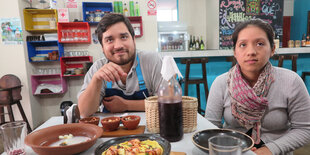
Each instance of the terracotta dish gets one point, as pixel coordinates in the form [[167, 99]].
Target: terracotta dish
[[90, 120], [131, 122], [110, 123], [41, 140]]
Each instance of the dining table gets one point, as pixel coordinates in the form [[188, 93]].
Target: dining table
[[185, 145]]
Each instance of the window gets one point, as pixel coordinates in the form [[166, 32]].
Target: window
[[167, 10]]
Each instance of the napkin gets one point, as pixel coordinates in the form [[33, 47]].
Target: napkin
[[169, 68], [71, 114]]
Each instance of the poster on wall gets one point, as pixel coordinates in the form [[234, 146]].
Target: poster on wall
[[232, 12], [11, 31]]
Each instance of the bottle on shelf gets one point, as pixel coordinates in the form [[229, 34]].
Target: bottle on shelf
[[303, 40], [190, 43], [120, 7], [131, 8], [202, 45], [52, 23], [194, 43], [137, 9], [197, 46], [308, 40], [277, 42], [115, 7], [125, 9]]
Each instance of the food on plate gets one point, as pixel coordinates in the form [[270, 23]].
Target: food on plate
[[69, 139], [135, 147]]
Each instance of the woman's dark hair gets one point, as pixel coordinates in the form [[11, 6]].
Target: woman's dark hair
[[109, 19], [255, 22]]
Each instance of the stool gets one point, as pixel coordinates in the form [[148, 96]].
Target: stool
[[197, 81], [10, 94], [281, 58]]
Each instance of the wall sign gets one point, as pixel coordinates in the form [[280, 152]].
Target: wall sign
[[233, 12], [63, 15], [71, 3], [11, 31], [152, 8]]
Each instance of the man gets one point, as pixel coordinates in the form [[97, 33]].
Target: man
[[122, 79]]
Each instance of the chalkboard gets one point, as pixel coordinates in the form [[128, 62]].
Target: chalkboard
[[232, 12]]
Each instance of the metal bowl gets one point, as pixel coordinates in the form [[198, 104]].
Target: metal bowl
[[200, 138]]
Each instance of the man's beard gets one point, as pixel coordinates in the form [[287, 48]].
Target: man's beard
[[123, 61]]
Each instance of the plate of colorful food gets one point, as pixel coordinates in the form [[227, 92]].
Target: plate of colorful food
[[144, 143]]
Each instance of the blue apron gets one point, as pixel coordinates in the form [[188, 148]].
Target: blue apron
[[138, 95]]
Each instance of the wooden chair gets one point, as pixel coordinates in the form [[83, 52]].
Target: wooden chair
[[10, 94], [304, 74], [231, 59], [281, 58], [196, 81]]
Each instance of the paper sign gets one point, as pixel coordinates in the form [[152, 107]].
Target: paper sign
[[71, 4], [152, 8], [63, 15]]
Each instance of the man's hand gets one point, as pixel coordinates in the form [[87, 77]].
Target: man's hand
[[261, 151], [115, 104], [110, 72]]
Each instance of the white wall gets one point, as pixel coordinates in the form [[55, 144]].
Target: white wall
[[12, 61]]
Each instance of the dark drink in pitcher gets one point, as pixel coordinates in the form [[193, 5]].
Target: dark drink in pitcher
[[171, 121]]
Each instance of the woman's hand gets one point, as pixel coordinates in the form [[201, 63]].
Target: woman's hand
[[261, 151]]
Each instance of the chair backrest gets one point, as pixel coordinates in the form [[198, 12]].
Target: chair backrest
[[10, 81], [231, 59], [292, 57]]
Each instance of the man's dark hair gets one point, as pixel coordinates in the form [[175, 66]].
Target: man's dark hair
[[255, 22], [109, 19]]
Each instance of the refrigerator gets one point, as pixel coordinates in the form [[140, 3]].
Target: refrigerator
[[172, 37]]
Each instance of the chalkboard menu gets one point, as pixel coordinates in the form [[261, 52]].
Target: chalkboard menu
[[233, 12]]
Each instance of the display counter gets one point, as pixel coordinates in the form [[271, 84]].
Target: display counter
[[221, 53]]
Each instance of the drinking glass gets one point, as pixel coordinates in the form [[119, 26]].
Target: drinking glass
[[13, 135], [224, 145], [63, 35]]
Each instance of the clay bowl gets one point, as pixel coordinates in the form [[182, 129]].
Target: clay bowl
[[131, 122], [41, 140], [90, 120], [110, 123]]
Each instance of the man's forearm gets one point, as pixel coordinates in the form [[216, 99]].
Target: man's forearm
[[89, 100]]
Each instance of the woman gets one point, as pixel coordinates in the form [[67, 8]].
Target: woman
[[270, 104]]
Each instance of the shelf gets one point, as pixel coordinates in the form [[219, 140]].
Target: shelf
[[74, 32], [93, 6], [55, 79], [69, 65], [38, 20], [39, 48], [136, 22]]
